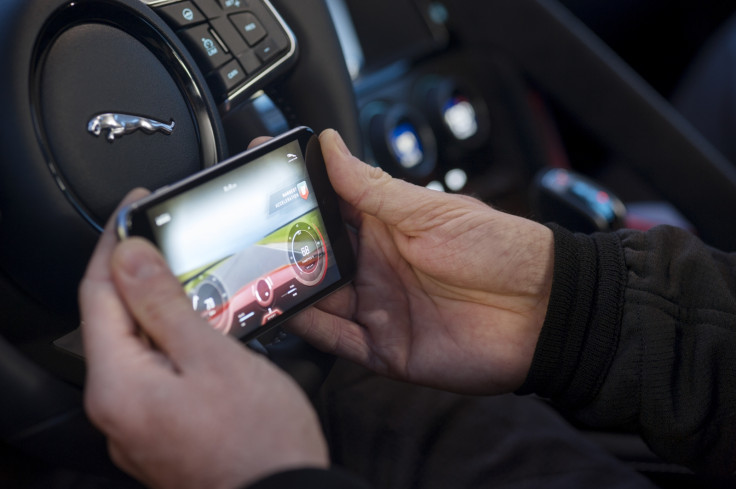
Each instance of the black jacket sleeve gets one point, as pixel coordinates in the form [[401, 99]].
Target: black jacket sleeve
[[641, 334], [310, 479]]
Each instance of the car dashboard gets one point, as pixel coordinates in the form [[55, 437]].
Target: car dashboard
[[430, 113]]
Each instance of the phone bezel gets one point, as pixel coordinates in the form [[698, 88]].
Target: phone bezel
[[133, 221]]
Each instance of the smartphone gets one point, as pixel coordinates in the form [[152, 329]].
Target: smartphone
[[254, 239]]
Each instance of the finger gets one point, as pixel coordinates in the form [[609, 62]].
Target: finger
[[156, 300], [105, 320], [339, 303], [258, 141], [332, 334], [370, 189]]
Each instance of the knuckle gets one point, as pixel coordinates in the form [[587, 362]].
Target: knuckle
[[372, 195], [377, 174]]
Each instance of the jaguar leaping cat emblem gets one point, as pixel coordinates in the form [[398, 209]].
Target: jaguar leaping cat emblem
[[118, 125]]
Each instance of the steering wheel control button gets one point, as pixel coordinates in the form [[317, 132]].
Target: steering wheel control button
[[250, 62], [206, 47], [210, 8], [217, 32], [228, 77], [182, 14], [233, 5], [231, 37], [267, 50], [249, 27]]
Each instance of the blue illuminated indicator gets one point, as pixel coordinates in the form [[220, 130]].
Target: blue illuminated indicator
[[406, 145]]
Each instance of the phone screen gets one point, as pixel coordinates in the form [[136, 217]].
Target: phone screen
[[252, 245]]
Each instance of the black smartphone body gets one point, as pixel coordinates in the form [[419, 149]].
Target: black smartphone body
[[254, 239]]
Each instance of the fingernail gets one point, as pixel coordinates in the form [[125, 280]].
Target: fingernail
[[341, 146]]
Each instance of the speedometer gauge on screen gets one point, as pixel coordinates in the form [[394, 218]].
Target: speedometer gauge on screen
[[254, 239]]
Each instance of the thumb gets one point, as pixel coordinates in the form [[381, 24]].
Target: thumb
[[157, 301], [369, 189]]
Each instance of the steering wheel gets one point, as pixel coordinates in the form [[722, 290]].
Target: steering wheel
[[101, 96]]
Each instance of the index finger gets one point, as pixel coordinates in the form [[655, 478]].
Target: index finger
[[259, 141]]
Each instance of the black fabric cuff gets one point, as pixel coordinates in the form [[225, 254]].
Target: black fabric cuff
[[310, 479], [580, 333]]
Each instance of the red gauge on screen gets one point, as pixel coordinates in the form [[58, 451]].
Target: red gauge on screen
[[307, 253]]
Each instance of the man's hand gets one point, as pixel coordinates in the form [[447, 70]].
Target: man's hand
[[182, 406], [449, 292]]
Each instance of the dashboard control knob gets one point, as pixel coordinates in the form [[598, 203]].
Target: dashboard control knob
[[402, 141], [456, 111]]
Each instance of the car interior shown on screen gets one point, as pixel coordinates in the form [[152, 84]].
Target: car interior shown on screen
[[598, 116]]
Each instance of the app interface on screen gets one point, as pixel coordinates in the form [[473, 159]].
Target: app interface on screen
[[248, 245]]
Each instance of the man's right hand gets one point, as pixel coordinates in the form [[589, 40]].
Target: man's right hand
[[449, 293]]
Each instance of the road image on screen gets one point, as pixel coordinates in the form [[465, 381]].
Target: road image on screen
[[248, 245]]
